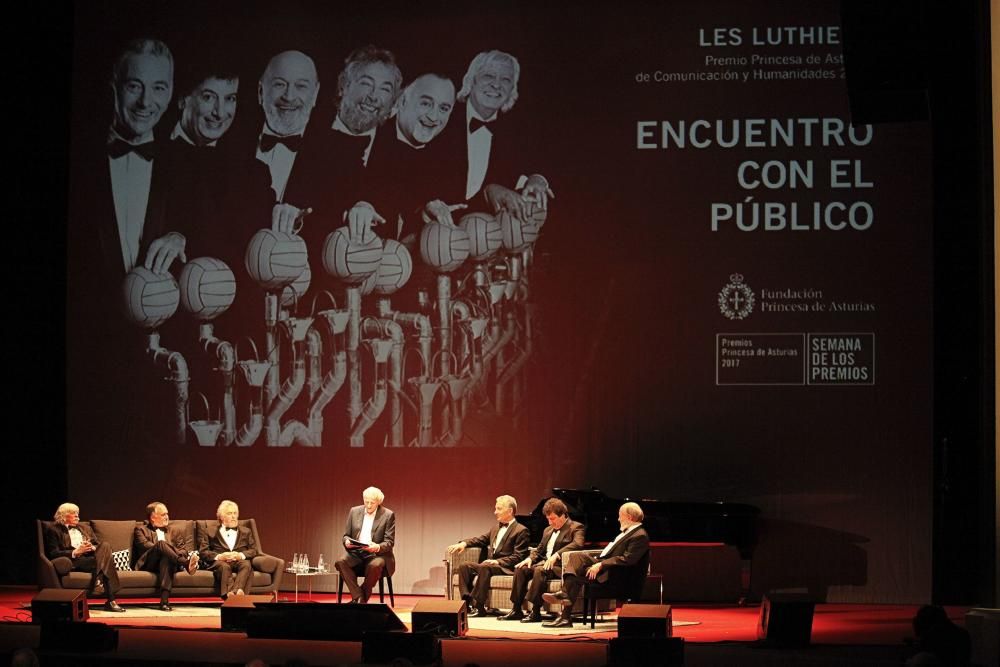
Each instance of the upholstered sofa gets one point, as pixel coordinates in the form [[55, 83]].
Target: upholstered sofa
[[57, 573]]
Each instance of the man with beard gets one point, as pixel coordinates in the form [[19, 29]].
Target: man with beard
[[163, 550], [229, 549], [486, 146], [287, 93], [67, 538], [367, 89]]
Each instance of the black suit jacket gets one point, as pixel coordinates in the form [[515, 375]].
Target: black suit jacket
[[511, 551], [211, 542], [627, 552], [401, 179], [571, 538], [58, 544], [327, 176], [144, 540], [508, 158], [383, 533]]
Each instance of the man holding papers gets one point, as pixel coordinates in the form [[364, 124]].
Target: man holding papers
[[368, 539]]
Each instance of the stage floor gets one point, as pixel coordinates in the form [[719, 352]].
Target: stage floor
[[713, 634]]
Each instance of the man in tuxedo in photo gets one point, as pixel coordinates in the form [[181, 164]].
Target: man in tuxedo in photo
[[287, 92], [163, 550], [493, 155], [544, 562], [68, 538], [403, 182], [506, 545], [334, 165], [614, 567], [228, 549], [142, 84], [374, 526]]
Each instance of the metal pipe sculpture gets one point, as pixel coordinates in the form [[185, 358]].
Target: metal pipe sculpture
[[174, 363], [224, 353]]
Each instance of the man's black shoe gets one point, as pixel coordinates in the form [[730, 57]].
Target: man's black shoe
[[512, 615], [476, 611], [532, 618], [561, 622], [111, 605], [165, 606]]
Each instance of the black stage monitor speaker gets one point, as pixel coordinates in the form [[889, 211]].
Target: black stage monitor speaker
[[59, 605], [316, 620], [786, 619], [448, 618], [420, 648], [78, 637], [641, 651], [645, 620], [236, 608]]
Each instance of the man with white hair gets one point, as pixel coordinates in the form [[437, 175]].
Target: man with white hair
[[613, 567], [486, 147], [228, 549], [506, 544], [68, 538], [368, 539]]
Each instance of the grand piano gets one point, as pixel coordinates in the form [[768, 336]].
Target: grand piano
[[668, 523]]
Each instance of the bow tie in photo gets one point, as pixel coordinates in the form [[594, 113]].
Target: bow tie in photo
[[269, 141], [475, 124], [118, 147]]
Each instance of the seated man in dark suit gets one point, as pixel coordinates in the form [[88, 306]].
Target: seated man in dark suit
[[375, 526], [163, 550], [611, 567], [544, 563], [68, 538], [228, 550], [506, 544]]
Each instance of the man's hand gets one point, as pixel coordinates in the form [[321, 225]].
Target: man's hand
[[456, 548], [163, 251], [550, 562], [438, 211], [524, 563], [229, 556], [537, 189], [85, 548], [491, 561], [372, 548], [593, 570], [505, 199], [360, 220], [287, 218]]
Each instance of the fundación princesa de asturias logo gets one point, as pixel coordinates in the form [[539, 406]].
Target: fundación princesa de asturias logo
[[736, 299]]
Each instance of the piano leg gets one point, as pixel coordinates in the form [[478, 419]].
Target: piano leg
[[746, 565]]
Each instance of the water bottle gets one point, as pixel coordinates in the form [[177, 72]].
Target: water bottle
[[305, 562], [320, 564], [295, 563]]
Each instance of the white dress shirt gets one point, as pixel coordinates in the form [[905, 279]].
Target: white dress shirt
[[478, 145], [620, 535], [279, 161], [366, 528], [131, 176]]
